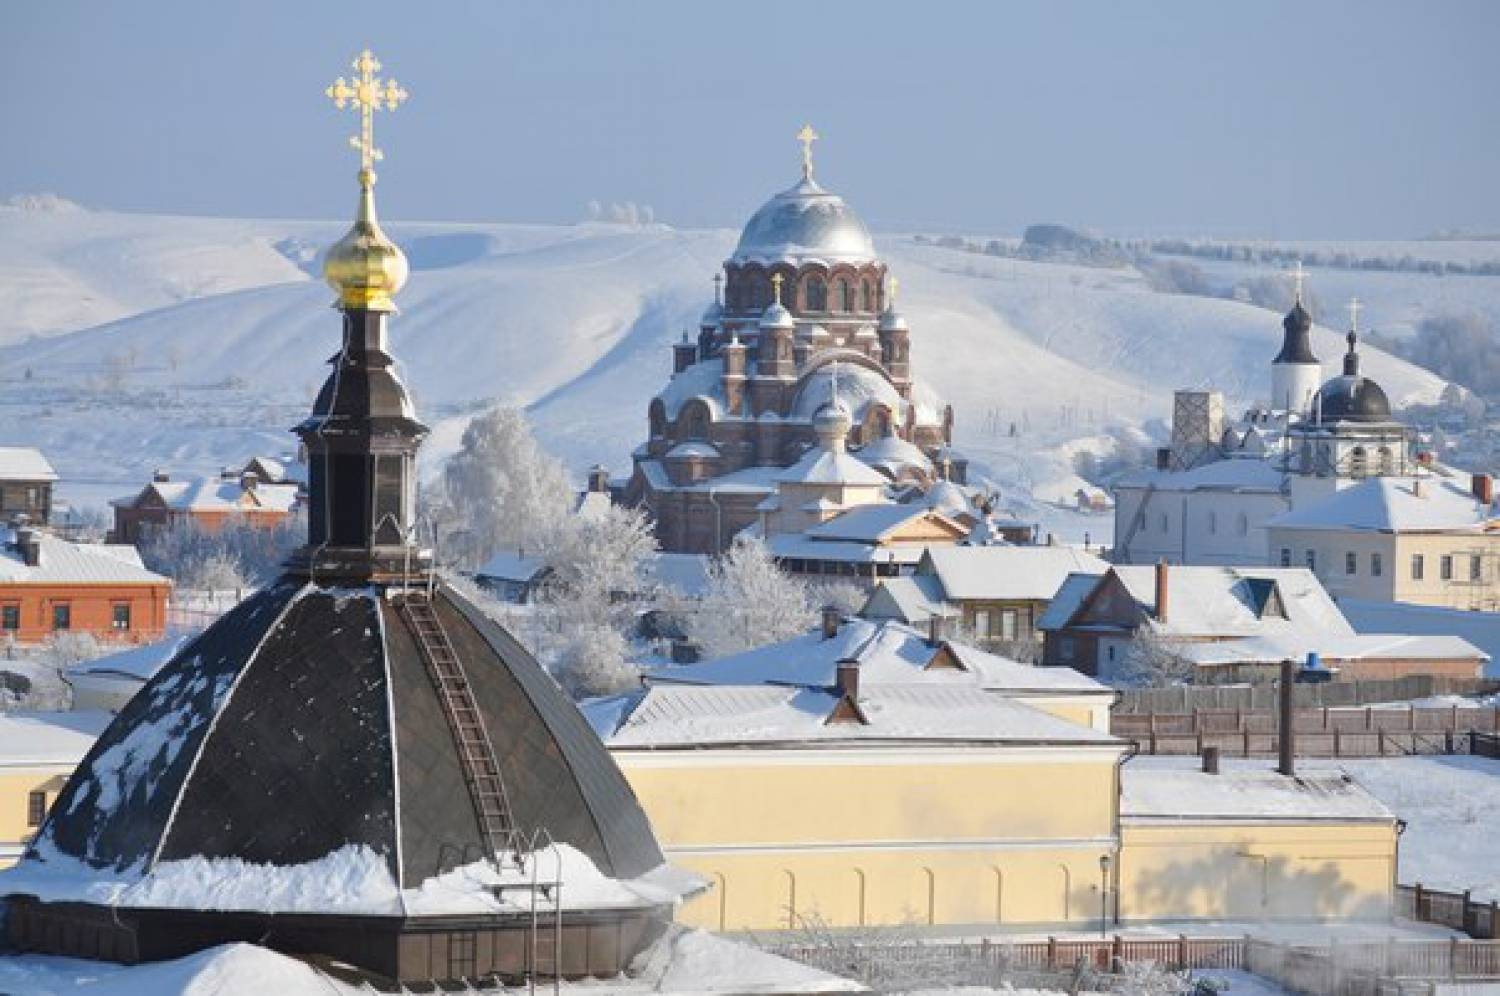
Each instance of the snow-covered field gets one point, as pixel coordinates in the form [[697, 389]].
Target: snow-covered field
[[134, 341]]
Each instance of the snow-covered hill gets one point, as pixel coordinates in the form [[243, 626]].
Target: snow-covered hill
[[132, 341]]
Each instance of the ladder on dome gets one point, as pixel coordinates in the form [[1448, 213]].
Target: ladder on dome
[[475, 750]]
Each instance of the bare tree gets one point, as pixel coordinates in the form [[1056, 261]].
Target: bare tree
[[1154, 661], [750, 602]]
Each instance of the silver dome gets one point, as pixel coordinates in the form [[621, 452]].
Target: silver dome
[[805, 222]]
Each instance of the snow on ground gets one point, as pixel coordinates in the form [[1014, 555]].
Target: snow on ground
[[684, 962], [192, 342], [1448, 804]]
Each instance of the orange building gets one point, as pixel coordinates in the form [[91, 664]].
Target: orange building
[[252, 495], [50, 586]]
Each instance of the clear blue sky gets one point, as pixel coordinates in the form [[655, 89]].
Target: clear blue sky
[[1274, 119]]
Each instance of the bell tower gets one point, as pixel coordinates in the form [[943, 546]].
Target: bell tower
[[362, 435]]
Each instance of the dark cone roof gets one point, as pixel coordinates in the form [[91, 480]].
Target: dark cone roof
[[305, 720], [1296, 341]]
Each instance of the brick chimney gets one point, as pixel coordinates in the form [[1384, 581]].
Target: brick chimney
[[160, 476], [846, 679], [1210, 760], [832, 617], [599, 479], [1162, 578], [1483, 487]]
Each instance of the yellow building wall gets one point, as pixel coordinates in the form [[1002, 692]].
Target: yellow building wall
[[958, 836], [1206, 870], [1085, 710], [16, 786]]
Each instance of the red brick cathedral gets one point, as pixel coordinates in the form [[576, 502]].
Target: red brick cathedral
[[806, 316]]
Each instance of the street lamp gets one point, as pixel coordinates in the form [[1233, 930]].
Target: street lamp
[[1104, 865]]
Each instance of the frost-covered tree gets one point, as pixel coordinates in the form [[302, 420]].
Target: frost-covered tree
[[749, 602], [236, 556], [500, 491], [1154, 661]]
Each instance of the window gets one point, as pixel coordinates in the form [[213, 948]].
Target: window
[[1377, 566], [1213, 521], [1475, 573], [1242, 524], [1110, 651], [1387, 461], [10, 616], [1445, 567], [1162, 522], [982, 623], [846, 295], [1359, 464], [62, 616], [817, 295], [1066, 648], [1311, 556], [1416, 567], [36, 808], [1286, 556], [1351, 562], [1008, 624], [121, 618]]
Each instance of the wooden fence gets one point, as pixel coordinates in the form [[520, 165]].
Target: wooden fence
[[1455, 910], [1321, 732], [1333, 694], [1349, 968]]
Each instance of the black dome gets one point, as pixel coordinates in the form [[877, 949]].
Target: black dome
[[1352, 398], [1296, 343], [305, 720]]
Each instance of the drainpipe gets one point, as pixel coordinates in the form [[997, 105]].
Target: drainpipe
[[718, 523]]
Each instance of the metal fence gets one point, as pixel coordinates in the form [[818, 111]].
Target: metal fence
[[1321, 732]]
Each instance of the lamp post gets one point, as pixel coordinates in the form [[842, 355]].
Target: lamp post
[[1104, 865]]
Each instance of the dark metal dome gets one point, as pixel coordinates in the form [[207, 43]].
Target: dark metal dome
[[1351, 397], [1296, 342]]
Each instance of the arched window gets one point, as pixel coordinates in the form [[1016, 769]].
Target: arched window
[[846, 295], [864, 296], [657, 416], [816, 294], [1359, 462], [693, 423]]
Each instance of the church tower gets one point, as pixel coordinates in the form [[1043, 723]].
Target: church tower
[[1295, 373]]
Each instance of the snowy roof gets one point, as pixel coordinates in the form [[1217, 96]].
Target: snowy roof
[[1482, 629], [858, 387], [685, 572], [1151, 791], [693, 448], [61, 738], [749, 480], [1233, 601], [695, 716], [138, 663], [703, 379], [1070, 595], [873, 523], [820, 466], [1033, 573], [217, 494], [888, 652], [64, 562], [1239, 474], [802, 546], [514, 566], [1391, 504], [894, 452], [22, 463], [949, 498], [913, 599], [1333, 647], [805, 222]]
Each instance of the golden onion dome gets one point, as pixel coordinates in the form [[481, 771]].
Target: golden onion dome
[[365, 266]]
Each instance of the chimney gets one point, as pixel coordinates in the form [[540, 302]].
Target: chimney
[[1416, 488], [160, 476], [598, 479], [832, 617], [248, 481], [1483, 486], [29, 545], [1210, 760], [846, 680], [1286, 736], [1162, 577], [934, 630]]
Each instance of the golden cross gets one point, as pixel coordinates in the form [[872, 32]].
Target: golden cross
[[1354, 308], [892, 285], [807, 137], [366, 93], [776, 279], [1298, 275]]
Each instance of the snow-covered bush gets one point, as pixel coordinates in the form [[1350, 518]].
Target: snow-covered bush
[[1154, 661], [749, 602], [236, 556]]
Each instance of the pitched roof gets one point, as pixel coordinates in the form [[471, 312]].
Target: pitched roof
[[1176, 791], [910, 599], [1391, 504], [1070, 595], [697, 716], [216, 494], [1235, 474], [64, 562], [820, 466], [511, 565], [1332, 647], [28, 738], [1233, 601], [1007, 572], [22, 463], [873, 523], [802, 546], [889, 653]]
